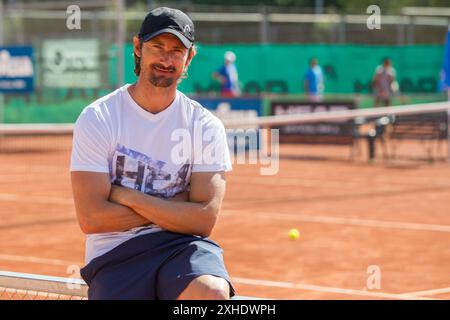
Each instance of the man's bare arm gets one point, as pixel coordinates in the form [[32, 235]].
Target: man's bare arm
[[96, 214], [196, 217]]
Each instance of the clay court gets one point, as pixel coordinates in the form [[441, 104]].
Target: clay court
[[353, 216]]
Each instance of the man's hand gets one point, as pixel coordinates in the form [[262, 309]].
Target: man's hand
[[182, 196], [120, 194]]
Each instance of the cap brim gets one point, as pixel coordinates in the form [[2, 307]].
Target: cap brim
[[186, 42]]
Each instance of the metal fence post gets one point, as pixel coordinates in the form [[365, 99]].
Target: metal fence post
[[342, 29], [411, 30], [120, 7], [264, 25]]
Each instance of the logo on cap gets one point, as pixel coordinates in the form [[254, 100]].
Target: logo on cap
[[187, 29]]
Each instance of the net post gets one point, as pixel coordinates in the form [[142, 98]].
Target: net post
[[120, 41], [371, 141], [448, 135], [266, 143]]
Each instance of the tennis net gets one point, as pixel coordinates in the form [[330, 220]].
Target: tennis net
[[35, 138], [420, 122], [416, 127], [23, 286]]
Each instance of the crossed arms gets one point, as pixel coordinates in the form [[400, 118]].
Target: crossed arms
[[102, 207]]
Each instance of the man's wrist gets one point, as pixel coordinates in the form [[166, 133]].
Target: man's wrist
[[130, 197], [122, 195], [138, 201]]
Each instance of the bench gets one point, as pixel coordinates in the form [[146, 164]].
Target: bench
[[427, 128]]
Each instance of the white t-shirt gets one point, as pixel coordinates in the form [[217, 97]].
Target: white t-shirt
[[153, 153]]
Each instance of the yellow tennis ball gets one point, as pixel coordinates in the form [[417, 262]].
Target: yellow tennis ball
[[294, 234]]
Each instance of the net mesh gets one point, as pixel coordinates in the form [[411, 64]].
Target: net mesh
[[35, 144], [20, 294], [426, 122], [23, 286], [16, 139]]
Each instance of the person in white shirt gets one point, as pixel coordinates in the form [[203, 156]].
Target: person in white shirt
[[148, 177], [228, 76]]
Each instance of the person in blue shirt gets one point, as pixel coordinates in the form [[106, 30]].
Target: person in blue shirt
[[314, 82], [445, 71], [228, 76]]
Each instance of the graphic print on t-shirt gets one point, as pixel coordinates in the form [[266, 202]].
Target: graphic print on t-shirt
[[136, 170]]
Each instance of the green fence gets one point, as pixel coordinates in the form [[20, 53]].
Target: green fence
[[347, 68], [262, 68], [280, 68]]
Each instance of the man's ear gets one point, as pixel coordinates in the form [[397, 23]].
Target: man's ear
[[136, 46], [191, 55]]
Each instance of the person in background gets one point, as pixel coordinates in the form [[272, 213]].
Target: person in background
[[314, 81], [445, 71], [384, 83], [443, 86], [228, 76]]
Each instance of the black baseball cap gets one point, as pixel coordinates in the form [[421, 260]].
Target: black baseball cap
[[168, 20]]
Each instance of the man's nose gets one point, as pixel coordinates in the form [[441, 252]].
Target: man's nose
[[166, 58]]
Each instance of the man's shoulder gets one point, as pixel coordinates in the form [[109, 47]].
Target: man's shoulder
[[199, 112], [102, 107]]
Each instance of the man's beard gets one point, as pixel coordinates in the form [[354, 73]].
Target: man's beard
[[162, 80]]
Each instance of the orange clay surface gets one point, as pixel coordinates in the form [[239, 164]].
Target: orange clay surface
[[354, 217]]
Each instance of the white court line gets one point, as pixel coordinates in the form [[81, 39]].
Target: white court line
[[332, 183], [309, 287], [36, 199], [55, 262], [430, 292], [344, 221], [289, 182]]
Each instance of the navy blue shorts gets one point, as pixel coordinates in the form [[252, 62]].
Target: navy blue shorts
[[155, 266]]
